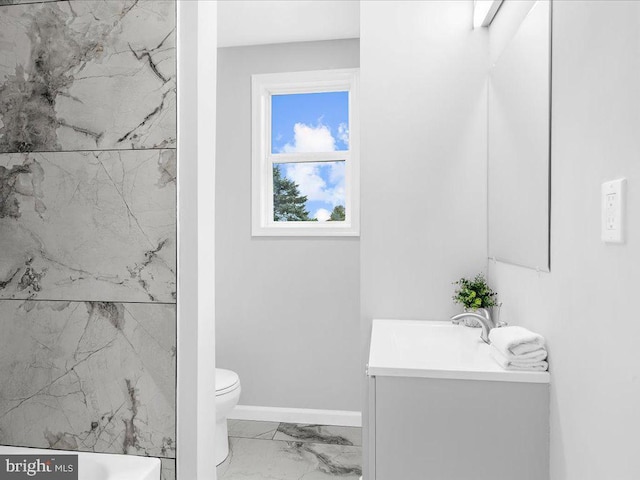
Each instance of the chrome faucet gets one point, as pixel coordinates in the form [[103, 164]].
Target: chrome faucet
[[483, 316]]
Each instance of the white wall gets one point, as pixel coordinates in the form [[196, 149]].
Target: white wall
[[287, 308], [196, 160], [586, 306], [423, 81], [423, 84], [505, 25]]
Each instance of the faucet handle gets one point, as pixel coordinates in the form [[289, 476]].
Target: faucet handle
[[501, 324]]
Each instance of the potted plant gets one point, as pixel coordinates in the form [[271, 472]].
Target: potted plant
[[473, 294]]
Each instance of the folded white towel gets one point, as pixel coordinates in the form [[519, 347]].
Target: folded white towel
[[515, 340], [520, 364], [530, 357]]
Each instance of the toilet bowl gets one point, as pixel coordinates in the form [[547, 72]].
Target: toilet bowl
[[227, 396]]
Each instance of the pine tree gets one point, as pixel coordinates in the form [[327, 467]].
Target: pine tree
[[288, 204], [337, 215]]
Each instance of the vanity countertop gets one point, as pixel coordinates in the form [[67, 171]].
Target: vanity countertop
[[430, 349]]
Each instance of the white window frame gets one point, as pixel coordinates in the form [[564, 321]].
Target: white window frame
[[263, 87]]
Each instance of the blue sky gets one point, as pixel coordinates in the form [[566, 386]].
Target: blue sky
[[313, 122]]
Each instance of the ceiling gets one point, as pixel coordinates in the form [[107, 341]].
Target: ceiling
[[258, 22]]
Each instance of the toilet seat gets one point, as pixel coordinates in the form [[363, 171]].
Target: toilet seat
[[226, 381]]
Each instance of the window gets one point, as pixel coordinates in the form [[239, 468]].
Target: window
[[305, 154]]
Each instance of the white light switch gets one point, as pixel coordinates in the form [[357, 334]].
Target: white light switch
[[613, 199]]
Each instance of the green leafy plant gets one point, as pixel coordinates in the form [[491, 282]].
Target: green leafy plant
[[474, 293]]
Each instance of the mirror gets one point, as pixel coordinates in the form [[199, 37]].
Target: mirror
[[519, 145]]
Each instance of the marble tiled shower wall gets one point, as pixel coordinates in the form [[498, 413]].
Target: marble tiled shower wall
[[88, 226]]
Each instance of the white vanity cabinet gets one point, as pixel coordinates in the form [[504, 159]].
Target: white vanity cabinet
[[441, 409]]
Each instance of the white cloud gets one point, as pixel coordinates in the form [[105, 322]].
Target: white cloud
[[308, 179], [343, 133], [308, 176], [322, 215], [311, 139], [310, 182], [336, 173]]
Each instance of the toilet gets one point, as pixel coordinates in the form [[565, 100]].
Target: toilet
[[227, 396]]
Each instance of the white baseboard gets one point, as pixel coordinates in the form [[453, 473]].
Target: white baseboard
[[297, 415]]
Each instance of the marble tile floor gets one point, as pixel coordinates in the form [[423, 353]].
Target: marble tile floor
[[285, 451]]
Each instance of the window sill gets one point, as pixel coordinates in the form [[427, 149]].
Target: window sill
[[304, 231]]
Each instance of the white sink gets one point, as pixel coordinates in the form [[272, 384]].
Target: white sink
[[412, 348], [97, 466]]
